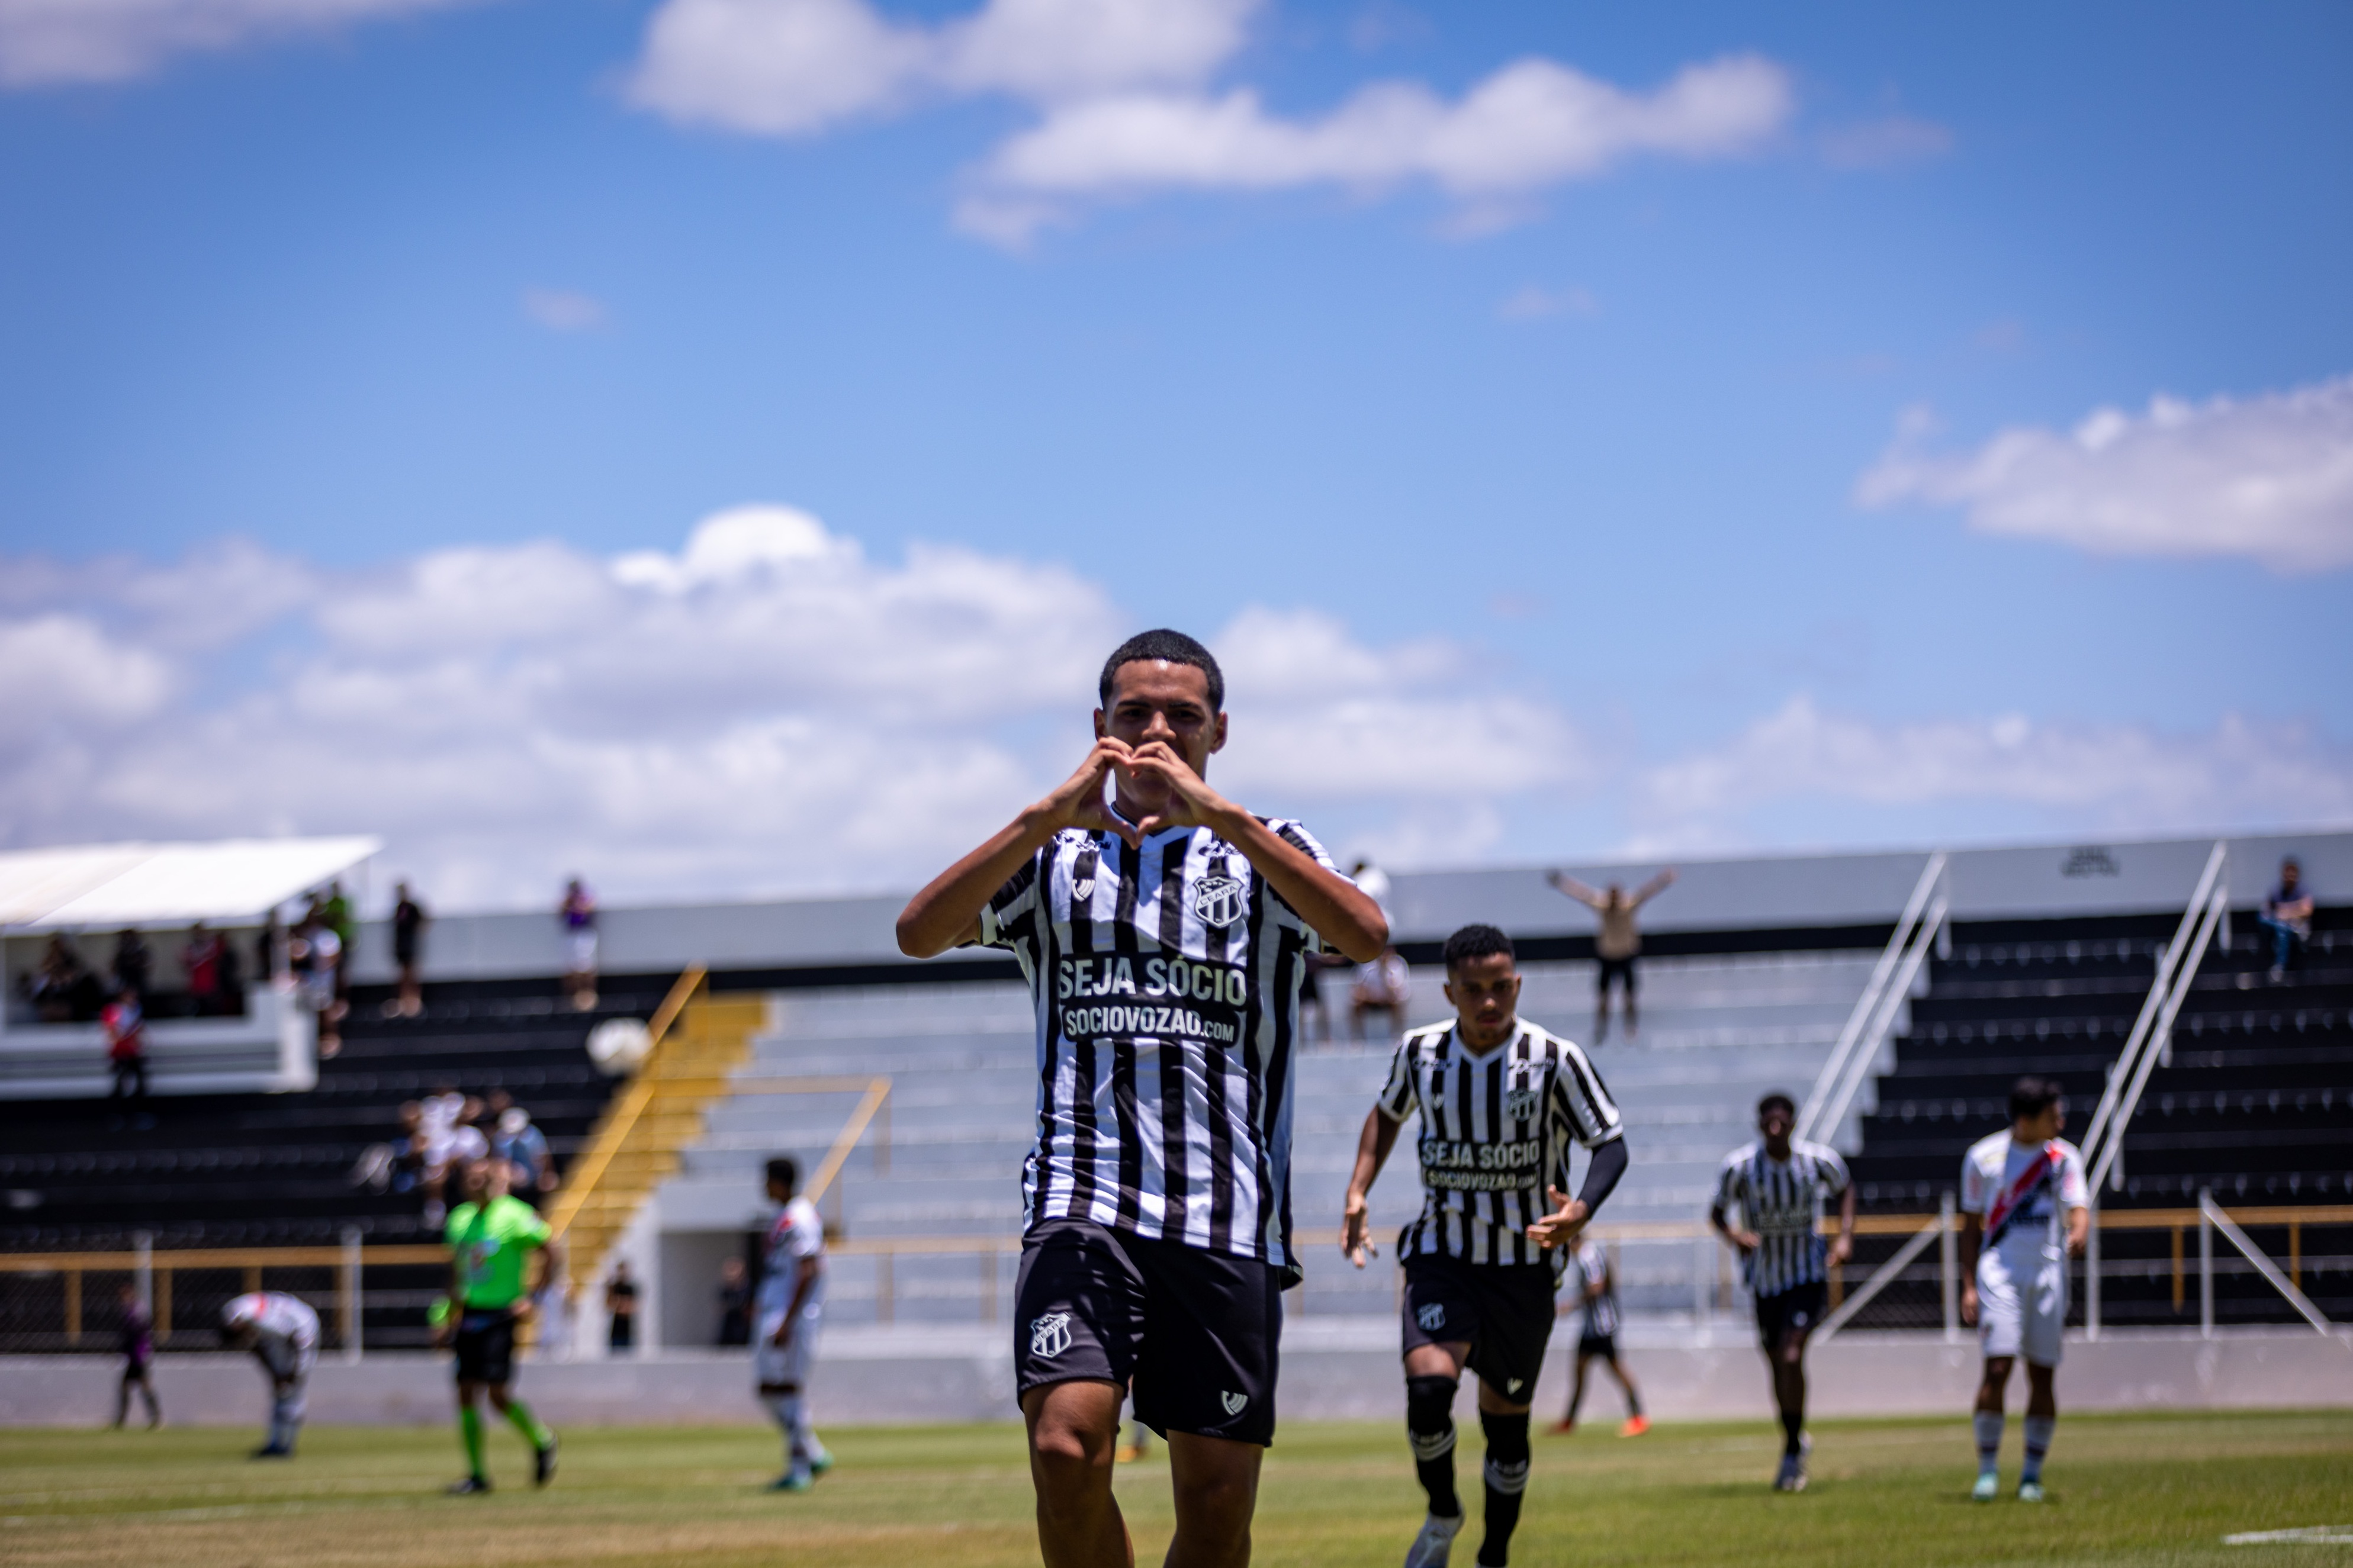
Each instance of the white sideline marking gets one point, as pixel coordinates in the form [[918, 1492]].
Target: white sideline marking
[[2333, 1534]]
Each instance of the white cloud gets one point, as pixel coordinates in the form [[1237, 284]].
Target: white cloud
[[2239, 773], [1531, 125], [2269, 478], [53, 42], [765, 709], [791, 68]]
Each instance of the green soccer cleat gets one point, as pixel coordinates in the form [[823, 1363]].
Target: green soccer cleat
[[1989, 1487], [820, 1461], [792, 1481], [2029, 1491]]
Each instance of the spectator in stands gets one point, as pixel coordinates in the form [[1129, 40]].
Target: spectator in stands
[[230, 998], [447, 1119], [126, 1044], [62, 989], [734, 1304], [134, 965], [578, 913], [1618, 944], [315, 950], [1383, 986], [200, 958], [2287, 915], [524, 1149], [271, 958], [621, 1309], [408, 923], [335, 914]]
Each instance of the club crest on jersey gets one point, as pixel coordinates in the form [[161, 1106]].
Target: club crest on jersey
[[1431, 1317], [1081, 891], [1218, 901], [1521, 1104], [1233, 1401], [1050, 1335]]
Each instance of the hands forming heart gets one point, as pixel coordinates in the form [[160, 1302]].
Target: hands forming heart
[[1153, 777]]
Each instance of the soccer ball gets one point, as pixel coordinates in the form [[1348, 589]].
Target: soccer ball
[[618, 1046]]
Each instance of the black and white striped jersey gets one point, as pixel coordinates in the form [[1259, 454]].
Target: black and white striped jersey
[[1495, 1132], [1782, 1203], [1168, 983]]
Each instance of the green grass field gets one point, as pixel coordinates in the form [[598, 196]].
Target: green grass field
[[2124, 1490]]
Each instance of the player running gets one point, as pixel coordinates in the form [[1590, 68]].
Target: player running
[[500, 1253], [138, 1359], [283, 1335], [2015, 1188], [1500, 1099], [1597, 1297], [1779, 1185], [785, 1320], [1164, 934]]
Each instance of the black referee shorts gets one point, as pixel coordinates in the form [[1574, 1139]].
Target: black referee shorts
[[1798, 1310], [1190, 1333], [1504, 1309], [485, 1344]]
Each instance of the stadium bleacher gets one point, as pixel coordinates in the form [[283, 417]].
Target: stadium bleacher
[[2256, 1103]]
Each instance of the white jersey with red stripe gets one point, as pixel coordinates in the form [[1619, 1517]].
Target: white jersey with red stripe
[[2029, 1186]]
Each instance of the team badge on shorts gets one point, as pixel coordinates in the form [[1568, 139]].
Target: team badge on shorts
[[1233, 1401], [1050, 1335], [1218, 901], [1520, 1104], [1431, 1317]]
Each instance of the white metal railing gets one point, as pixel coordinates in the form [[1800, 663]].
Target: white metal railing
[[2211, 1219], [1875, 1011]]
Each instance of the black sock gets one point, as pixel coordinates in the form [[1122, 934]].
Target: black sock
[[1793, 1425], [1633, 1403], [1507, 1478], [1430, 1424]]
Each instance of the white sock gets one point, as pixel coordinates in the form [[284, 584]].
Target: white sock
[[805, 1429], [2038, 1443], [1988, 1425], [787, 1409]]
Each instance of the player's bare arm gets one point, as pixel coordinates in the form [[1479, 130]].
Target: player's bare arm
[[805, 1277], [1972, 1236], [946, 913], [1843, 1242], [1336, 908], [2079, 1231], [1563, 882], [1744, 1241], [1373, 1145], [1653, 888]]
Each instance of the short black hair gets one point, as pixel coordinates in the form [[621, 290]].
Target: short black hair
[[783, 1168], [1175, 647], [1774, 1099], [2031, 1095], [1476, 942]]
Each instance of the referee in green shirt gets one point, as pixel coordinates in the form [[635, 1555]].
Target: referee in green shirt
[[500, 1253]]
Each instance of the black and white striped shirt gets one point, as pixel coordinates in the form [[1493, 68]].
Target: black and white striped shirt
[[1783, 1204], [1167, 984], [1495, 1130]]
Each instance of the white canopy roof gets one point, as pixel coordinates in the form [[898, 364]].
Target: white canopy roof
[[100, 884]]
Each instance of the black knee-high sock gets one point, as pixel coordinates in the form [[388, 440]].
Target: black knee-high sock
[[1507, 1478], [1429, 1424], [1793, 1428]]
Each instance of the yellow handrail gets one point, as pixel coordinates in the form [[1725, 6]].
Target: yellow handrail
[[582, 1180], [877, 1092]]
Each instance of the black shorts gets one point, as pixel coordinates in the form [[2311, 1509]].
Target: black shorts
[[1504, 1309], [1623, 968], [1189, 1332], [1799, 1307], [1603, 1345], [486, 1346]]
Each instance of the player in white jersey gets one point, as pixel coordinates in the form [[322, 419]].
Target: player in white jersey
[[2025, 1210], [1500, 1101], [283, 1335], [1165, 935], [1779, 1185], [786, 1318]]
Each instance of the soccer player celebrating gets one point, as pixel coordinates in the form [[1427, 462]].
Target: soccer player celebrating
[[1778, 1184], [1165, 935], [1500, 1100], [283, 1335], [500, 1253], [2015, 1188], [791, 1301]]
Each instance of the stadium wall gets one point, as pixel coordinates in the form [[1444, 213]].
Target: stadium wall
[[1331, 1371]]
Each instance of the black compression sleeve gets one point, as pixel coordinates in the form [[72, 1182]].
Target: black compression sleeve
[[1601, 1175]]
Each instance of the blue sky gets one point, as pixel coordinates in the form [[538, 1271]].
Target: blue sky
[[1591, 478]]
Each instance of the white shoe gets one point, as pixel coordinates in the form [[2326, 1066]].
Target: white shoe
[[1435, 1543]]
